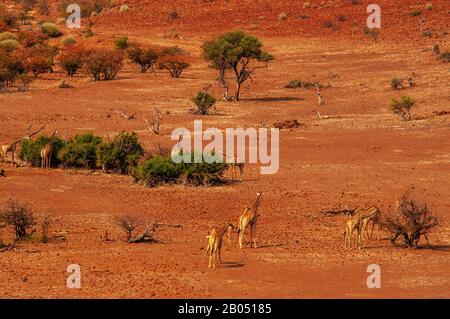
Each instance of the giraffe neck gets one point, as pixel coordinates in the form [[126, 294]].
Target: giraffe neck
[[223, 229], [256, 204]]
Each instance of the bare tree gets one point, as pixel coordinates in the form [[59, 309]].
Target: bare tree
[[411, 220], [154, 126]]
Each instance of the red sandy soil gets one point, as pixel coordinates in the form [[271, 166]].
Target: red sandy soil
[[358, 153]]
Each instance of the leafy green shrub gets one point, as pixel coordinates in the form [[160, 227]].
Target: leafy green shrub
[[157, 171], [50, 29], [403, 107], [68, 41], [30, 151], [80, 151], [429, 6], [9, 45], [204, 102], [120, 155], [121, 43], [162, 170], [8, 36], [415, 13], [198, 174]]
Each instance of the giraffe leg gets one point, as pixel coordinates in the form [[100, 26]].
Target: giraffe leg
[[253, 229]]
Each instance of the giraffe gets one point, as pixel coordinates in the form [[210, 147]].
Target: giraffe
[[356, 223], [249, 217], [8, 148], [370, 223], [215, 240], [46, 152]]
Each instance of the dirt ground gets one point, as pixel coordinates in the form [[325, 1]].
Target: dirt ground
[[358, 153]]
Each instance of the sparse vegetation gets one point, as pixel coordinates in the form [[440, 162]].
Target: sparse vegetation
[[445, 56], [403, 107], [19, 217], [173, 15], [9, 45], [282, 16], [396, 84], [415, 13], [45, 227]]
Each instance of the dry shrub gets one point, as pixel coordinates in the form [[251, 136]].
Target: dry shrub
[[18, 216], [288, 124], [71, 59], [174, 61], [104, 64], [128, 224], [410, 221]]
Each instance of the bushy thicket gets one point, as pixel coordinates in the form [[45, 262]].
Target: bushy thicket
[[80, 151], [162, 170], [17, 216], [121, 154], [30, 150]]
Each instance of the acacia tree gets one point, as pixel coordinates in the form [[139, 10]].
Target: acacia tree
[[235, 51]]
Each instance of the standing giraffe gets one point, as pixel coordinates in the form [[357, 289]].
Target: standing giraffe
[[46, 152], [215, 239], [249, 217]]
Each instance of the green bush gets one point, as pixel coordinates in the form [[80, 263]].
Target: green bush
[[9, 45], [120, 155], [80, 151], [67, 41], [198, 174], [403, 107], [157, 171], [204, 102], [121, 43], [162, 170], [415, 13], [8, 36], [50, 29], [30, 151]]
